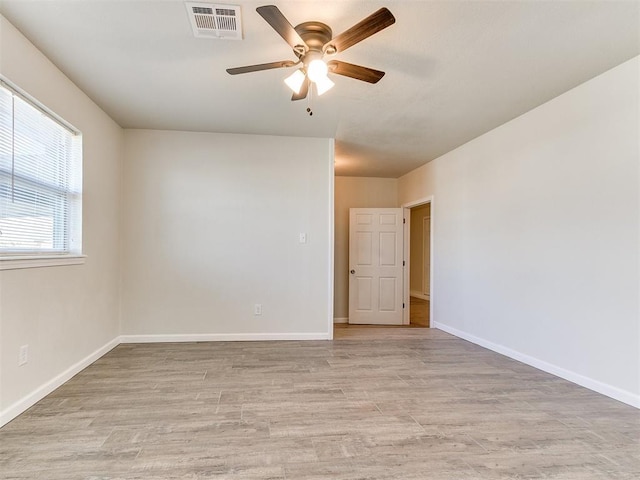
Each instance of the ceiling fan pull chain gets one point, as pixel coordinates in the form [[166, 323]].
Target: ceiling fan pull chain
[[309, 111]]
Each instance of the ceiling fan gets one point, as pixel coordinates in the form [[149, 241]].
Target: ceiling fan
[[311, 42]]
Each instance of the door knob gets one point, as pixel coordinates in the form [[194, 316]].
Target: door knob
[[353, 271]]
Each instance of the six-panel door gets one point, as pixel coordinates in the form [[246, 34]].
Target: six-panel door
[[375, 266]]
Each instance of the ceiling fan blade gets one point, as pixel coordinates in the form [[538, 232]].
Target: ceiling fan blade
[[259, 67], [280, 24], [372, 24], [304, 90], [365, 74]]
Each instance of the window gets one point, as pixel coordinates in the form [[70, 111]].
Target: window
[[40, 180]]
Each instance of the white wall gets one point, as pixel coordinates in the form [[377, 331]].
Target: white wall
[[536, 242], [65, 313], [211, 227], [354, 192]]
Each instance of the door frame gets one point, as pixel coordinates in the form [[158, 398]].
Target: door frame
[[426, 221], [406, 257]]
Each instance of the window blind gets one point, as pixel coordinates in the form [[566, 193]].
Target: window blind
[[40, 179]]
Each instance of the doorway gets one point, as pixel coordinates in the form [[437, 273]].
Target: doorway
[[418, 247]]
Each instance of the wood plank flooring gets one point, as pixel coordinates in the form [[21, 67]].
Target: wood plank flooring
[[418, 312], [375, 403]]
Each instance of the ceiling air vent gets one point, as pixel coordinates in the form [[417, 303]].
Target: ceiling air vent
[[209, 20]]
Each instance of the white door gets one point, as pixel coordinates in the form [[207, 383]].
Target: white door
[[375, 266]]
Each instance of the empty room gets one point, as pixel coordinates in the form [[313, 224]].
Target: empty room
[[342, 240]]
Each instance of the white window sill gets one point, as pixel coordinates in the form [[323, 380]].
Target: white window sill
[[9, 262]]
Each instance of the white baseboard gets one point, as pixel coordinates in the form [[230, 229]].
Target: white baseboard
[[417, 294], [340, 319], [221, 337], [12, 411], [616, 393]]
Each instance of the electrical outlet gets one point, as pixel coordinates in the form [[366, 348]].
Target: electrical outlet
[[302, 238], [257, 309], [23, 355]]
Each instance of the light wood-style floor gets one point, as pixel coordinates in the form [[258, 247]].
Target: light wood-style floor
[[375, 403], [418, 312]]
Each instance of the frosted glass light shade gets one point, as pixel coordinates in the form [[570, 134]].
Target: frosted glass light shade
[[323, 84], [317, 70], [295, 81]]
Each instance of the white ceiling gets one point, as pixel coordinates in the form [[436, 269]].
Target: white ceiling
[[454, 69]]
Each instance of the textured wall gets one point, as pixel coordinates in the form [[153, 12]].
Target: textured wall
[[536, 243], [211, 228]]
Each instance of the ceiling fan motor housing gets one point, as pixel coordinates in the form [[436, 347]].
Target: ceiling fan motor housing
[[315, 34]]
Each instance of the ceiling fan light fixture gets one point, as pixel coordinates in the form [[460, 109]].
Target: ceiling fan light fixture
[[313, 40], [295, 81], [323, 84], [317, 70]]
